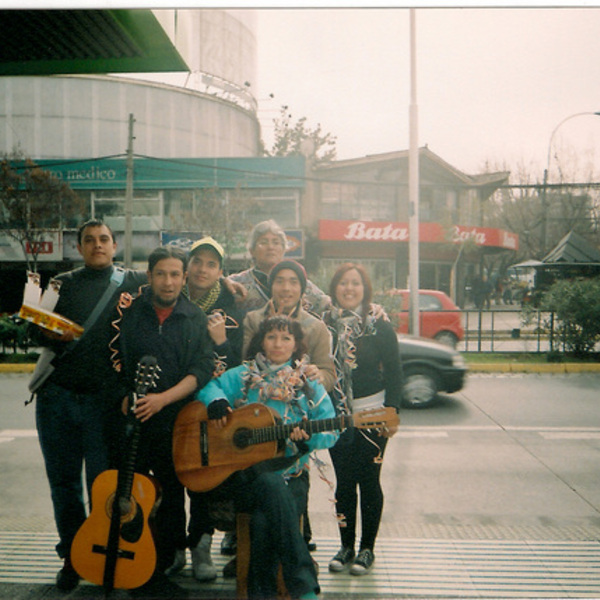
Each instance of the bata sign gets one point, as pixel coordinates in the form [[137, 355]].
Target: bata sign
[[382, 231]]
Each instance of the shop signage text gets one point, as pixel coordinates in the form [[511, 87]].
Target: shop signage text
[[386, 231]]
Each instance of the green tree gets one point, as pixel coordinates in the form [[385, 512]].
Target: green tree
[[32, 201], [297, 138], [577, 311]]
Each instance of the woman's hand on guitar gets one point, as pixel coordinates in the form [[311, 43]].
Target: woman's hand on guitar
[[217, 412], [298, 434]]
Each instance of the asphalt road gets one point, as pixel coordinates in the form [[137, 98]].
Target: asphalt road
[[511, 459], [508, 450]]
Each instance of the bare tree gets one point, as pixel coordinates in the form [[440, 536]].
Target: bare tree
[[32, 201], [299, 139], [525, 208], [227, 215]]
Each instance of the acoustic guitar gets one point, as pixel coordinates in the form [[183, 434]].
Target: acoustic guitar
[[205, 456], [114, 546]]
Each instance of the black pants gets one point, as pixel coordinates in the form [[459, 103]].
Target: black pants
[[355, 469], [155, 456]]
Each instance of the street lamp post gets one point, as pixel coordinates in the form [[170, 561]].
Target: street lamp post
[[547, 169]]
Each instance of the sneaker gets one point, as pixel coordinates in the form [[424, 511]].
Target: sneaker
[[341, 560], [229, 544], [178, 563], [202, 564], [363, 562], [230, 569], [67, 579]]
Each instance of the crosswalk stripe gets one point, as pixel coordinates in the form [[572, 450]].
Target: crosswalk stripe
[[432, 567]]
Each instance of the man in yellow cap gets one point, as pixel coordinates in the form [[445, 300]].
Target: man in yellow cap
[[205, 288]]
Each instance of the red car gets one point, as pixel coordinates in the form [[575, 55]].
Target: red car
[[440, 318]]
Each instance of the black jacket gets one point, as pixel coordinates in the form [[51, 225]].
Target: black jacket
[[181, 344], [87, 368]]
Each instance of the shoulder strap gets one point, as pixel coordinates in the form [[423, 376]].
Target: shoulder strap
[[116, 279]]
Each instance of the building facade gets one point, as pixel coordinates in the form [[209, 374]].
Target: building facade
[[358, 210]]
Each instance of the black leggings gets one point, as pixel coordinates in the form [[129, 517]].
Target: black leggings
[[353, 461]]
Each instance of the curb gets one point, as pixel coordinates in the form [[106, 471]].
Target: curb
[[17, 367], [558, 368]]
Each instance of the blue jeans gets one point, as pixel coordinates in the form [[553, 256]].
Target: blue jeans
[[275, 535], [71, 429]]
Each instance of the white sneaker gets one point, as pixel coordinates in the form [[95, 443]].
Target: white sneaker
[[202, 564], [178, 563]]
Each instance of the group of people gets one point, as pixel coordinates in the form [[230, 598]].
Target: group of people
[[266, 335]]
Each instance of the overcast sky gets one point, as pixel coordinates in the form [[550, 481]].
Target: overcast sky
[[492, 83]]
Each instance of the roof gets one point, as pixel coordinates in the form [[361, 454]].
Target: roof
[[431, 166], [573, 249], [59, 42]]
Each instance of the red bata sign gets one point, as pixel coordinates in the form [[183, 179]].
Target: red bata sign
[[389, 231]]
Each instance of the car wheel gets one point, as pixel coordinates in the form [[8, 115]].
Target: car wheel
[[420, 388], [447, 338]]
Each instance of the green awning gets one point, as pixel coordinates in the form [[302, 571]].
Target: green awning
[[180, 173], [60, 42]]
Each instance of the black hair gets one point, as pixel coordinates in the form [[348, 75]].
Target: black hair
[[163, 252], [280, 323], [93, 223]]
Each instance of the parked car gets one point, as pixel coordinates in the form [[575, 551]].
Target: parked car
[[440, 319], [427, 369]]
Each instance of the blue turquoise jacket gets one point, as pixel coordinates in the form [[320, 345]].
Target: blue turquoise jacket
[[233, 386]]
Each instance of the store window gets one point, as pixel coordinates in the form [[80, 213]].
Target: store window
[[147, 210], [357, 201]]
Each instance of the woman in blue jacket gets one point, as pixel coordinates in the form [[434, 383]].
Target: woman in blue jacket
[[276, 499]]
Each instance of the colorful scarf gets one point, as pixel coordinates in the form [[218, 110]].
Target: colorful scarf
[[347, 327]]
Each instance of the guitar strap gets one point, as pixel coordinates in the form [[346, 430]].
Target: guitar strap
[[48, 358]]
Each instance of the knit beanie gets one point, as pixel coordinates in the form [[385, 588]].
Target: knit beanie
[[289, 264]]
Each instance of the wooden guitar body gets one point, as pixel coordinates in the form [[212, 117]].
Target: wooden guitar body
[[136, 550], [114, 546], [205, 456]]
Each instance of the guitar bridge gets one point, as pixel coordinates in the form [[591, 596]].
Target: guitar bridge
[[127, 554]]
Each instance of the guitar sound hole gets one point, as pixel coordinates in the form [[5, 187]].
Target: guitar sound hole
[[242, 438], [128, 507]]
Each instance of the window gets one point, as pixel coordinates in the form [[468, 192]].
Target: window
[[147, 210]]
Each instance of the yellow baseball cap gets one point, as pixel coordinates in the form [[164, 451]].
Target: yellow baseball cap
[[208, 242]]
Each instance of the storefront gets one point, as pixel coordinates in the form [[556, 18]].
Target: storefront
[[448, 255]]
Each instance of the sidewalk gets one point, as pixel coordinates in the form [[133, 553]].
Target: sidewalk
[[406, 567]]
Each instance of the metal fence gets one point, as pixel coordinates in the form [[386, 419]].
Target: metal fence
[[505, 330]]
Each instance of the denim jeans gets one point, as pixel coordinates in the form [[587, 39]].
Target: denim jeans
[[275, 535], [72, 434]]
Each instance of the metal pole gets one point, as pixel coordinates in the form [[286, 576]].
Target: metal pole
[[127, 248], [544, 232], [413, 186]]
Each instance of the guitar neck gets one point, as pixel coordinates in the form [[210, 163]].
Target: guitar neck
[[283, 431], [127, 470]]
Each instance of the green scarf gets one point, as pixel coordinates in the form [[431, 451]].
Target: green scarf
[[209, 299]]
